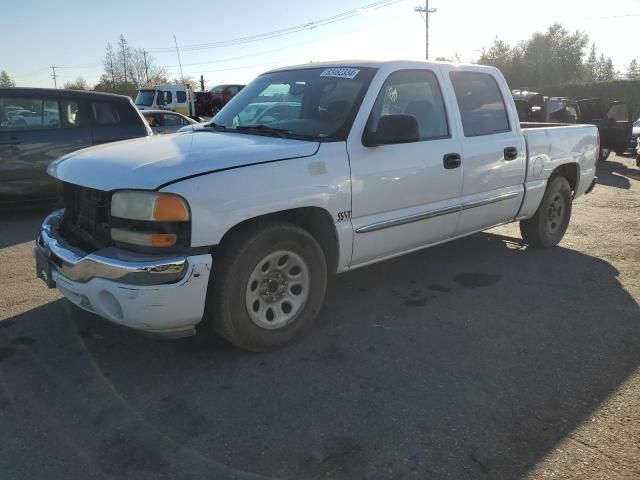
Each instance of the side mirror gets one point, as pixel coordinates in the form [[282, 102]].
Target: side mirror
[[393, 129]]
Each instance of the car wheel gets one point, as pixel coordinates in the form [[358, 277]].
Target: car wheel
[[547, 227], [604, 154], [268, 287]]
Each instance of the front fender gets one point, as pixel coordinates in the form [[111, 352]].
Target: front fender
[[221, 200]]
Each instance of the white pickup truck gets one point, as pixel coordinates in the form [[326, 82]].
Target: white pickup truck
[[238, 223]]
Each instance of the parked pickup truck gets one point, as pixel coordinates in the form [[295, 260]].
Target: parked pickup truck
[[238, 226]]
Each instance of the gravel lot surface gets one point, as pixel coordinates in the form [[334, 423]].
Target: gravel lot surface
[[479, 359]]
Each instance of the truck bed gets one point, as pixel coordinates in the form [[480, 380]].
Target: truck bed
[[552, 144]]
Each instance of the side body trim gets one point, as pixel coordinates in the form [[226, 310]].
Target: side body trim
[[396, 222]]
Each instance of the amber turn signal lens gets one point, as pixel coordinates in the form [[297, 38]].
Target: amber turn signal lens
[[144, 239], [163, 239], [169, 208]]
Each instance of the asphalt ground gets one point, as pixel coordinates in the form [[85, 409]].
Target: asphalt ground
[[478, 359]]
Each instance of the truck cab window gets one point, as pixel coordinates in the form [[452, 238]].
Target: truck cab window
[[415, 93], [481, 104], [28, 113], [105, 113]]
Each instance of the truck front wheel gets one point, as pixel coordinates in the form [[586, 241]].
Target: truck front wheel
[[547, 227], [268, 286]]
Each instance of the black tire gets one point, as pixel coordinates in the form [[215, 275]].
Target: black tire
[[604, 154], [547, 227], [237, 260]]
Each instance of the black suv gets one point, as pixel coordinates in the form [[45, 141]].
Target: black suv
[[39, 125]]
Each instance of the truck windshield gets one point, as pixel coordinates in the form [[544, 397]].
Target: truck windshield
[[145, 98], [314, 103]]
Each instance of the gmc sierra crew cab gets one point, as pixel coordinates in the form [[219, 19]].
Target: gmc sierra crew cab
[[238, 223]]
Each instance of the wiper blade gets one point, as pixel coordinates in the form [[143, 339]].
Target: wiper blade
[[281, 132], [215, 126]]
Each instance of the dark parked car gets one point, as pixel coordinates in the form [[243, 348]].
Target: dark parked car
[[614, 121], [39, 125]]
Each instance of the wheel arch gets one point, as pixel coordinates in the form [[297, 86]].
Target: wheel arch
[[315, 220], [570, 171]]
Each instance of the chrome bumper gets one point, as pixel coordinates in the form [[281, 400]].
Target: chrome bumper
[[53, 252]]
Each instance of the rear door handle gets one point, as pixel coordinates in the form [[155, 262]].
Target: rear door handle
[[451, 160], [510, 153]]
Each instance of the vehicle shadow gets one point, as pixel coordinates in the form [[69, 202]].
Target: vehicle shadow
[[616, 174], [469, 360], [20, 224]]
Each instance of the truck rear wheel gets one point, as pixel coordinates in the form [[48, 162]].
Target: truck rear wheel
[[604, 154], [268, 286], [547, 227]]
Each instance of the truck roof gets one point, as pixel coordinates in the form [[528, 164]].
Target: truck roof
[[61, 93], [399, 64]]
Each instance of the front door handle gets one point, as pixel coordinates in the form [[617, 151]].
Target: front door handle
[[10, 141], [510, 153], [451, 160]]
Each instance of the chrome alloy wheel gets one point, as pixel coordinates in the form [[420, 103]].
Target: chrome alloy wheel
[[555, 213], [277, 289]]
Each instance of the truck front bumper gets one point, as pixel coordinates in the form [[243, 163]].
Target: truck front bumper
[[163, 295]]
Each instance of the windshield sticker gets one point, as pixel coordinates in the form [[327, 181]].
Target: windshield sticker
[[349, 73]]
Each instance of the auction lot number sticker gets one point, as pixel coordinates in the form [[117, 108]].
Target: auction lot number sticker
[[349, 73]]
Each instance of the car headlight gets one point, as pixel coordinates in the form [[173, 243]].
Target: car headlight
[[151, 206], [149, 219]]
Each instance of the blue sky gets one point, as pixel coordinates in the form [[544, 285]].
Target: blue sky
[[35, 34]]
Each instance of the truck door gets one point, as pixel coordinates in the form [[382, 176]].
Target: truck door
[[493, 149], [404, 195], [615, 127], [182, 103]]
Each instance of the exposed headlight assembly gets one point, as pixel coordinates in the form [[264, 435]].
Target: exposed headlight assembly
[[147, 219], [150, 206]]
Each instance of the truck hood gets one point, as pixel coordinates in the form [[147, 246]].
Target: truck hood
[[149, 162]]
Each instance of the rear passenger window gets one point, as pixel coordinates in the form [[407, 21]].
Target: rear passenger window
[[71, 114], [105, 113], [415, 93], [181, 97], [481, 104], [17, 113]]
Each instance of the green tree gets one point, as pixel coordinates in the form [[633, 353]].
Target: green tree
[[5, 80], [77, 84], [604, 69], [591, 65], [633, 71]]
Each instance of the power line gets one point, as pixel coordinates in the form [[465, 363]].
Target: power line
[[283, 31]]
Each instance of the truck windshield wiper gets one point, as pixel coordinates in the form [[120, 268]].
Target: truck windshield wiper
[[215, 126], [280, 132], [267, 130]]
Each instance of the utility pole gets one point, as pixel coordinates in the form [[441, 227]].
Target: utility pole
[[202, 82], [146, 67], [179, 62], [427, 11], [54, 76]]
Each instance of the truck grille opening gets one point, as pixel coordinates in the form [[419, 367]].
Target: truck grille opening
[[86, 218]]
